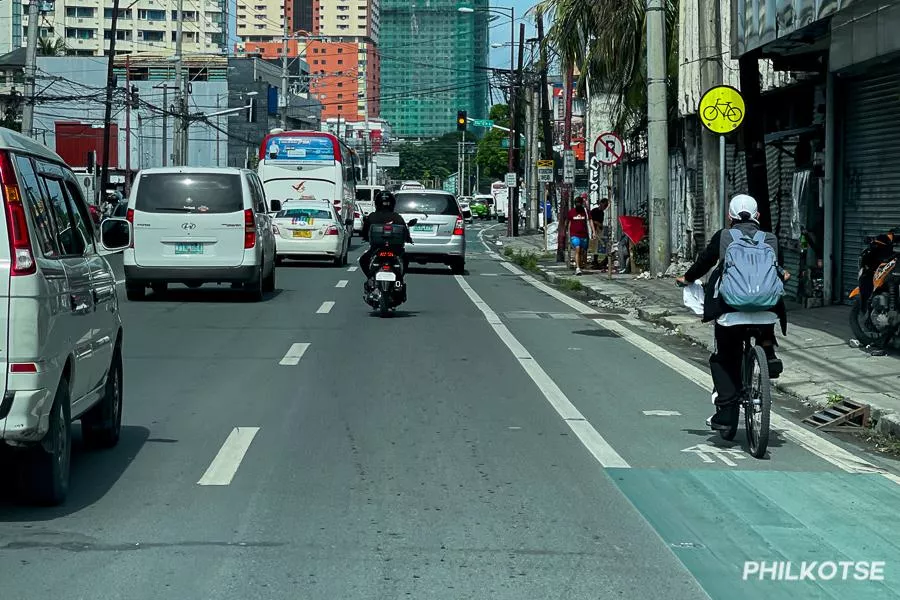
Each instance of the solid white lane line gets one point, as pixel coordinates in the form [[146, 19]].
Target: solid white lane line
[[294, 355], [342, 283], [592, 440], [325, 308], [512, 268], [352, 269], [662, 413], [223, 467]]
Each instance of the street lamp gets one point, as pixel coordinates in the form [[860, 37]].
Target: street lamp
[[512, 208]]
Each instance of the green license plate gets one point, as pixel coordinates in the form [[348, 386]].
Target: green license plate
[[188, 248], [421, 227]]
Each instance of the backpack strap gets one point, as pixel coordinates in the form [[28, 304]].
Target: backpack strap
[[760, 237], [736, 234]]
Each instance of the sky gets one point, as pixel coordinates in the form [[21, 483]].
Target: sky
[[500, 30]]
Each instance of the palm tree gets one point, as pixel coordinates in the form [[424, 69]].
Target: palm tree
[[48, 46], [606, 40]]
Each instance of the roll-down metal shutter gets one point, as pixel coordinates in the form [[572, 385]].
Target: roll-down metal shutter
[[870, 178]]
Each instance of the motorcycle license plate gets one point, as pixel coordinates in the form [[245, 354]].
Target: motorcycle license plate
[[385, 276]]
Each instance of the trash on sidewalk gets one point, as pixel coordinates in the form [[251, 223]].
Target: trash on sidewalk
[[644, 275], [853, 343]]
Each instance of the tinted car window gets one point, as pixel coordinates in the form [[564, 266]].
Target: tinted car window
[[190, 193], [80, 215], [429, 204], [303, 213], [69, 238], [37, 206]]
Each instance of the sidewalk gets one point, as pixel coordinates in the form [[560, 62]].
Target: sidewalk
[[819, 363]]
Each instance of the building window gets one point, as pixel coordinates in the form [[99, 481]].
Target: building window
[[124, 13], [75, 33], [151, 15], [151, 36]]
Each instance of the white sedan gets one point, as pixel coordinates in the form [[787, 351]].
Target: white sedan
[[310, 229]]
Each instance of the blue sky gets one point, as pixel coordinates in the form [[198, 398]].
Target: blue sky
[[500, 32]]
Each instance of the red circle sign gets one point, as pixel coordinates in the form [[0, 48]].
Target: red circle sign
[[609, 148]]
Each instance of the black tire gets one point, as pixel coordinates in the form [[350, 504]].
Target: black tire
[[458, 266], [46, 474], [269, 282], [102, 425], [135, 292], [383, 309], [759, 404], [254, 287], [159, 288], [865, 335]]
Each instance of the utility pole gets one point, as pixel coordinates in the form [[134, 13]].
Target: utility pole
[[511, 164], [710, 76], [180, 143], [657, 137], [535, 188], [129, 95], [30, 70], [546, 125], [567, 146], [110, 85], [284, 72], [517, 116]]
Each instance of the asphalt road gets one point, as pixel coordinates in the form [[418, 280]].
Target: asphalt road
[[493, 440]]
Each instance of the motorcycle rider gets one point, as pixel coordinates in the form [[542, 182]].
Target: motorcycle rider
[[730, 324], [384, 214]]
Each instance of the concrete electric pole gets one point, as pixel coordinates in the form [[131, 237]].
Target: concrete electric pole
[[657, 137]]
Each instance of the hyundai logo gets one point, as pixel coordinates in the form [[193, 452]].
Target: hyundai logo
[[188, 226]]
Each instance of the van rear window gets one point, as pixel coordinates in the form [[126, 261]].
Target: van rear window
[[190, 193], [429, 204]]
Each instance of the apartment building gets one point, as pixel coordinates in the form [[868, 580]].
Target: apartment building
[[342, 52], [11, 34], [84, 26]]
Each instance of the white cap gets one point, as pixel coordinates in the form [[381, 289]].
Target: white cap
[[742, 203]]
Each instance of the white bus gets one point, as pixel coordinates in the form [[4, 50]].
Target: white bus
[[365, 203], [302, 165]]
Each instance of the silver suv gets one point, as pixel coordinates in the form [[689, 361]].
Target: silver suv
[[59, 313], [439, 236]]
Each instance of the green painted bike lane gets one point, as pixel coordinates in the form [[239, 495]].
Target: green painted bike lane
[[712, 504]]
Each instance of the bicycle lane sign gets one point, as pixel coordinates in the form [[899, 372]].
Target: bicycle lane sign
[[722, 109]]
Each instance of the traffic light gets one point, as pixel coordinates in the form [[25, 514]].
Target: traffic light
[[135, 97], [461, 120]]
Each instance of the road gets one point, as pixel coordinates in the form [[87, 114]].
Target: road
[[493, 440]]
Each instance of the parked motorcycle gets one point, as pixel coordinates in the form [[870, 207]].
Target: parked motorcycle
[[875, 314], [386, 288]]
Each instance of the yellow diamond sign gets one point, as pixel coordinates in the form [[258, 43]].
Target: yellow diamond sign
[[722, 109]]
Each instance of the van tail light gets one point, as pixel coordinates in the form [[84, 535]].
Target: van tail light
[[356, 214], [22, 259], [458, 229], [249, 229], [23, 368], [332, 230], [129, 216]]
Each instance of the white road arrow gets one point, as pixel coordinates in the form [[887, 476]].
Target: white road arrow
[[708, 454]]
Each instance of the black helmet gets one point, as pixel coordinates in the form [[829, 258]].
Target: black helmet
[[385, 200]]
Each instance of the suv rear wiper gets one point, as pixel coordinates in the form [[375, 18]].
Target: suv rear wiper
[[183, 209]]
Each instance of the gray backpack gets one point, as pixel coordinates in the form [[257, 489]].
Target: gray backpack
[[750, 281]]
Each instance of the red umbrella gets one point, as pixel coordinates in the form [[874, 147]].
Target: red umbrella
[[634, 228]]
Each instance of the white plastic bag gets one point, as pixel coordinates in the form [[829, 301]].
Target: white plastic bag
[[693, 297]]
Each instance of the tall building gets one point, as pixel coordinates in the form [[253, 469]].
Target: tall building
[[145, 26], [433, 63], [341, 52], [11, 33]]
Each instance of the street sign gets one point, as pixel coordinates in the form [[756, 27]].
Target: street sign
[[450, 183], [721, 109], [487, 123], [609, 148], [545, 164], [568, 166], [545, 174], [511, 180]]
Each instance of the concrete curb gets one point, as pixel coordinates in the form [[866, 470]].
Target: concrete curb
[[886, 421]]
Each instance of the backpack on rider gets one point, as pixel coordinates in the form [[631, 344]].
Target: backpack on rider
[[750, 279]]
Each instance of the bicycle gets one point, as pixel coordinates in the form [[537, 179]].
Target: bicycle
[[732, 113], [756, 393]]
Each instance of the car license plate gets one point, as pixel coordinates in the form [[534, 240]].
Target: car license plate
[[303, 234], [422, 228], [385, 276], [189, 248]]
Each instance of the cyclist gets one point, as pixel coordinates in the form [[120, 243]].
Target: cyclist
[[731, 325]]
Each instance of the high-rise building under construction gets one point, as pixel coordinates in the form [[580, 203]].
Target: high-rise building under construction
[[434, 62]]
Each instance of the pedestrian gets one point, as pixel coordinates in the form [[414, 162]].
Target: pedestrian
[[578, 233], [597, 223]]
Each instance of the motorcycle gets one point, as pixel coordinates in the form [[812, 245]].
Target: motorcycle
[[875, 314], [386, 289]]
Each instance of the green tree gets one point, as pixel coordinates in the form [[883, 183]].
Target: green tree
[[606, 40], [48, 46], [435, 159], [492, 157]]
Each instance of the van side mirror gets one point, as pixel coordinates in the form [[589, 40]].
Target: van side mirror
[[274, 205], [115, 234]]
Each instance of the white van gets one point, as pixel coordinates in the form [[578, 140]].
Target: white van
[[61, 359], [199, 225]]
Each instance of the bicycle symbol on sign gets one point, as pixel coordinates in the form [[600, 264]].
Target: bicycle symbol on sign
[[724, 109]]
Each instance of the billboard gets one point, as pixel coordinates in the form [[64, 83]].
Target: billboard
[[294, 148]]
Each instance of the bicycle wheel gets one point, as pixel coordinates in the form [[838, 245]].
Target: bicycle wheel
[[757, 411], [734, 114], [710, 113]]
